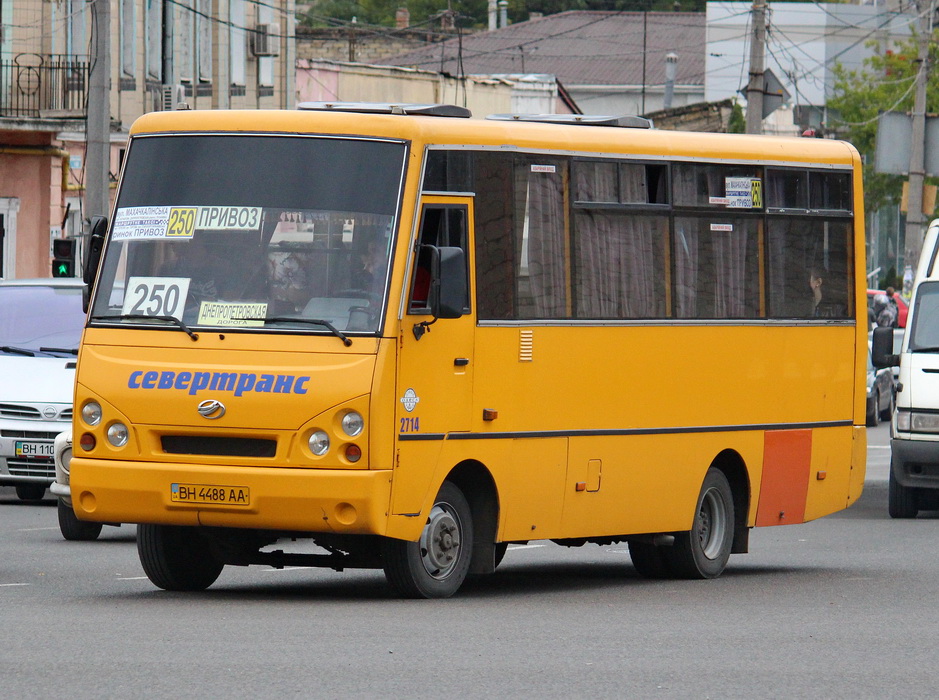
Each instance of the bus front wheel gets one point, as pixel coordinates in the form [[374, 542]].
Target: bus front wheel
[[704, 550], [177, 558], [436, 565]]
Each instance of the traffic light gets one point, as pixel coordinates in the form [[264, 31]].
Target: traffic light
[[63, 257]]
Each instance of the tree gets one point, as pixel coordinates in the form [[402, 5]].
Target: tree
[[885, 82], [737, 124]]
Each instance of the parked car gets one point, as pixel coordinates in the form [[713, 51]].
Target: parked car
[[903, 309], [41, 322], [71, 527], [881, 393]]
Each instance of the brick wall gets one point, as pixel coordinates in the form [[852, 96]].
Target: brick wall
[[362, 45]]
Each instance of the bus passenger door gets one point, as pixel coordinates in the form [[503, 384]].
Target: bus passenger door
[[435, 378]]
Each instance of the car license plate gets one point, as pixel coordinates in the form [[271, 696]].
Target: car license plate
[[210, 493], [34, 449]]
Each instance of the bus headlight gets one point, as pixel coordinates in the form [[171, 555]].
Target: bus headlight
[[353, 423], [319, 443], [91, 413], [117, 434]]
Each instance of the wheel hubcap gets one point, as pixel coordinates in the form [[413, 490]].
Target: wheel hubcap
[[711, 524], [440, 542]]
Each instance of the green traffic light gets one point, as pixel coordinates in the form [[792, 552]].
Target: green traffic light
[[63, 269]]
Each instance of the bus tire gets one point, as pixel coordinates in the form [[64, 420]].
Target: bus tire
[[436, 565], [649, 560], [902, 501], [703, 551], [74, 529], [177, 558]]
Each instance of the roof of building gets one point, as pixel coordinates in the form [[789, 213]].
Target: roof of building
[[579, 47]]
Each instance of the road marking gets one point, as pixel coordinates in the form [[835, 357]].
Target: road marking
[[878, 447], [14, 584], [288, 568], [131, 578], [36, 529], [525, 546]]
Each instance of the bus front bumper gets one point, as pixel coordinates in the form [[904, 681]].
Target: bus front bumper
[[303, 500]]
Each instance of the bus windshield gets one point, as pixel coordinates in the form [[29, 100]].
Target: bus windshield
[[252, 232]]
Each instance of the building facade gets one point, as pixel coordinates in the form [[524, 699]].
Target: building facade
[[207, 53]]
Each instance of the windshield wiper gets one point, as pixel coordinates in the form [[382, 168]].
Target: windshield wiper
[[17, 351], [311, 321], [143, 317], [63, 351]]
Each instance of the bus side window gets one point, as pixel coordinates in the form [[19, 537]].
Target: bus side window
[[440, 226]]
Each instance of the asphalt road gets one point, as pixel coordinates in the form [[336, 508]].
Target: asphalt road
[[843, 607]]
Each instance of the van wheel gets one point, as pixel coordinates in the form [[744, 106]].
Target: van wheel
[[74, 529], [902, 501], [649, 560], [704, 550], [177, 558], [30, 492], [436, 565]]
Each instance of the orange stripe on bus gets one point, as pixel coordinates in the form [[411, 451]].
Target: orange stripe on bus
[[787, 456]]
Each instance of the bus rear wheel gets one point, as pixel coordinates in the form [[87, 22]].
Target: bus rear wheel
[[436, 565], [177, 558], [704, 550], [649, 560]]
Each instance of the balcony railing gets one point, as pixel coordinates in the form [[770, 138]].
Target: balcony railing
[[34, 85]]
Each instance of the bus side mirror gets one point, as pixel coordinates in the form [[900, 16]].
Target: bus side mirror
[[882, 349], [450, 282], [447, 293], [98, 229]]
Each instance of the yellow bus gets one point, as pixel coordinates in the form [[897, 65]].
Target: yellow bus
[[414, 338]]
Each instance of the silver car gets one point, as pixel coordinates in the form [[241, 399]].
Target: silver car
[[41, 322]]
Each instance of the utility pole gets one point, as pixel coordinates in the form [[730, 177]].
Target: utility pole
[[756, 86], [98, 122], [915, 219]]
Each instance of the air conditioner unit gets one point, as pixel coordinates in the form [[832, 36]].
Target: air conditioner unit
[[173, 95], [265, 40]]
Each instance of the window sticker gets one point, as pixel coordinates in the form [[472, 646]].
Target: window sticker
[[179, 223], [543, 169], [156, 296], [743, 192], [723, 228], [224, 313]]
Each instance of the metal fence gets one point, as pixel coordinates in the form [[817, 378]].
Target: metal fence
[[34, 85]]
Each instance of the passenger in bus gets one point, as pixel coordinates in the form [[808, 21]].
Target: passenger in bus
[[218, 270], [827, 300]]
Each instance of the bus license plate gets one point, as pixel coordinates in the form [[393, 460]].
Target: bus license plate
[[210, 493], [34, 449]]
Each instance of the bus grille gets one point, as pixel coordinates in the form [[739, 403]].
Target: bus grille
[[218, 446], [27, 412]]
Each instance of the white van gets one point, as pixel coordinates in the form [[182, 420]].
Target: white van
[[914, 459]]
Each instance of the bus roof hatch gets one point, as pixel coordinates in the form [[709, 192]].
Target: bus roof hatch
[[626, 121], [424, 110]]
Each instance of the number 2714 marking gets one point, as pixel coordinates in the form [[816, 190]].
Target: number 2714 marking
[[411, 425]]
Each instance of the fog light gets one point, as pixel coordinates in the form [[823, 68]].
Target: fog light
[[352, 423], [91, 413], [87, 442], [319, 443], [353, 453], [117, 434]]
